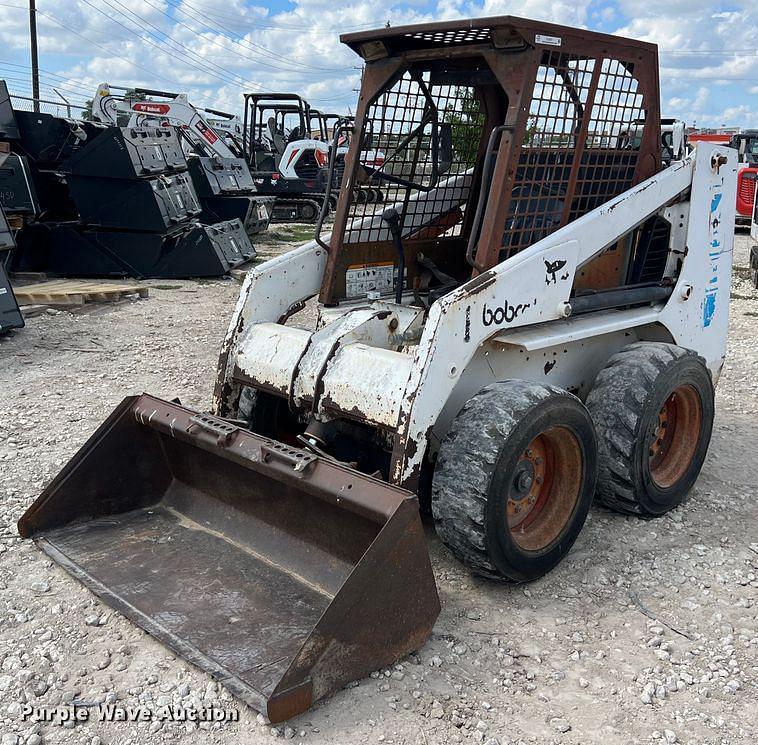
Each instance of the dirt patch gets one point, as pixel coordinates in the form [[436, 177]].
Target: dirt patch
[[647, 633]]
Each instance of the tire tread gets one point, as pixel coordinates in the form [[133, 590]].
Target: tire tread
[[468, 456], [616, 403]]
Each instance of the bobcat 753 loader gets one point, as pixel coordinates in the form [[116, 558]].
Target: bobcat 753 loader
[[539, 318]]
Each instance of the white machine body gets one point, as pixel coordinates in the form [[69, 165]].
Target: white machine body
[[408, 371]]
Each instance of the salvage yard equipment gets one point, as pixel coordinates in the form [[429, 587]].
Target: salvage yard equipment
[[538, 319], [754, 247], [96, 200], [10, 315], [218, 169], [195, 251], [746, 144]]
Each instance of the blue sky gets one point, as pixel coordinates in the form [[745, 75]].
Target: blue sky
[[215, 49]]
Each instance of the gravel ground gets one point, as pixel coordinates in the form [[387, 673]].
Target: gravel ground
[[574, 658]]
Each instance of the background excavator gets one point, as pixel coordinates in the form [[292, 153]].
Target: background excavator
[[285, 141]]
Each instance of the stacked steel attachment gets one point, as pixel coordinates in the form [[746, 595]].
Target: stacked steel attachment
[[10, 315], [227, 191], [98, 200], [209, 137]]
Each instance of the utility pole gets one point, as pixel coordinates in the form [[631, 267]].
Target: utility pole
[[35, 58]]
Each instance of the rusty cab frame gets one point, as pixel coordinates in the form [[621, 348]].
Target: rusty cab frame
[[529, 127]]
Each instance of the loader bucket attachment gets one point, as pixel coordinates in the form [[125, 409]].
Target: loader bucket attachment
[[282, 574]]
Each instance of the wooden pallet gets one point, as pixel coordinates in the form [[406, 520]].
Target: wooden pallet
[[75, 292]]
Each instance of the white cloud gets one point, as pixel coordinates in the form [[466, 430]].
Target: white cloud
[[216, 49]]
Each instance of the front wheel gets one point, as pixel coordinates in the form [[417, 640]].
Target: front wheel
[[514, 479]]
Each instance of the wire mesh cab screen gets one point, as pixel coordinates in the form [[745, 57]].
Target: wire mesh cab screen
[[418, 153], [555, 121], [579, 149]]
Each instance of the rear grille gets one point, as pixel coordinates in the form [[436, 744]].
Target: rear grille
[[746, 187], [651, 251]]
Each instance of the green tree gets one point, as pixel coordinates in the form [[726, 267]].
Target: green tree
[[467, 121]]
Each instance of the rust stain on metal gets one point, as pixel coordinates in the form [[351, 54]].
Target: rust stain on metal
[[233, 517]]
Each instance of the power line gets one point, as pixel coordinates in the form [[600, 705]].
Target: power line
[[204, 20], [151, 73], [110, 52], [306, 69], [278, 27], [694, 78], [61, 82], [746, 52], [174, 54], [48, 86], [195, 56]]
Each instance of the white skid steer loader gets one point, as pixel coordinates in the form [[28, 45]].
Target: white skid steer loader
[[538, 319]]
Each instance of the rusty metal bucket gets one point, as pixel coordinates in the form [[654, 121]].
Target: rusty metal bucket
[[282, 574]]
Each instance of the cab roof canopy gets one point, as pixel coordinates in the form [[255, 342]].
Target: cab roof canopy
[[502, 32]]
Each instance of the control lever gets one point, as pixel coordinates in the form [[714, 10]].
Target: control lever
[[391, 216]]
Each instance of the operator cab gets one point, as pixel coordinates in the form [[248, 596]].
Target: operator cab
[[746, 144], [493, 134]]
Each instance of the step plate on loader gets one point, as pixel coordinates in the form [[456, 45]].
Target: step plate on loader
[[282, 574]]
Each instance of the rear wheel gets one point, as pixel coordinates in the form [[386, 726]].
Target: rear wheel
[[514, 479], [653, 410], [308, 212]]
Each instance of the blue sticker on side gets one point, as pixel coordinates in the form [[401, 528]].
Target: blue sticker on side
[[714, 222], [709, 308]]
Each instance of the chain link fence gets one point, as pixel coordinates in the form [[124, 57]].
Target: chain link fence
[[47, 106]]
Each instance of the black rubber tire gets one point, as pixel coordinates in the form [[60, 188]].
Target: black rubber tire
[[476, 463], [624, 402], [308, 212], [754, 266]]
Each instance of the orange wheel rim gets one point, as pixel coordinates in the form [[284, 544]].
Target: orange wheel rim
[[544, 488], [675, 437]]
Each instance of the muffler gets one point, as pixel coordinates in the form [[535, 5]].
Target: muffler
[[283, 574]]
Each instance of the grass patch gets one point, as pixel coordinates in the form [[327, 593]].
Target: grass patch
[[288, 234]]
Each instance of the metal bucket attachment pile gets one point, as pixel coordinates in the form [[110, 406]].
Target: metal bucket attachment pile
[[283, 574]]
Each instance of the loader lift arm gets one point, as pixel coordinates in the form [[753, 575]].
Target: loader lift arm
[[161, 107]]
